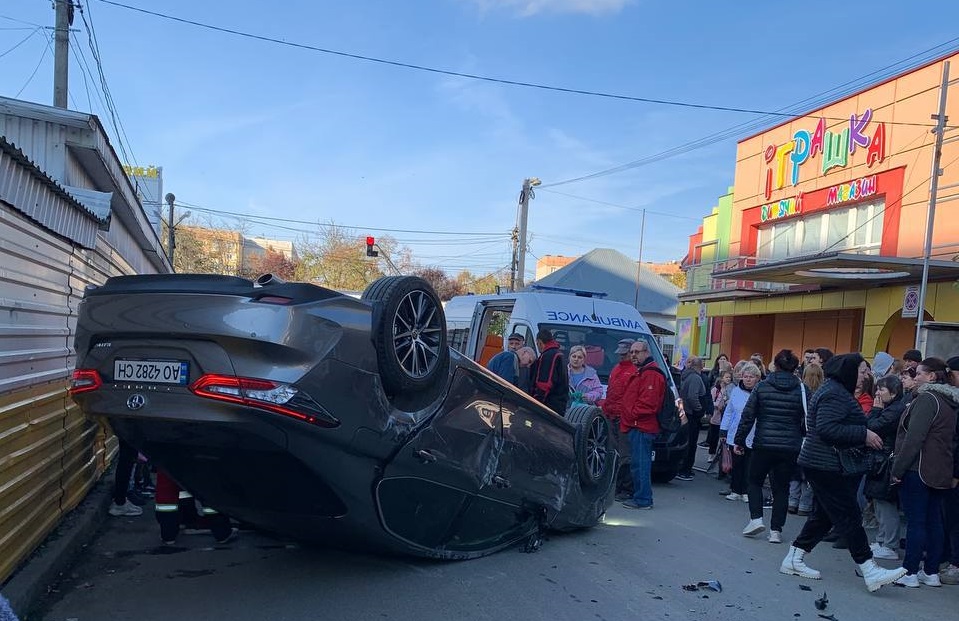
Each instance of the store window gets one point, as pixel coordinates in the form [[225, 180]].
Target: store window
[[857, 228]]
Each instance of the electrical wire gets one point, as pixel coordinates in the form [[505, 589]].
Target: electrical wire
[[343, 226], [123, 141], [22, 41], [815, 101], [909, 148], [459, 74], [879, 212], [83, 73], [35, 69], [636, 209], [20, 21]]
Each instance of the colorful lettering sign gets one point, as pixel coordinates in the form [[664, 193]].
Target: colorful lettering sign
[[781, 209], [141, 171], [854, 190], [833, 147]]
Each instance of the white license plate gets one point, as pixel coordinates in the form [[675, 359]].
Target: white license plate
[[654, 456], [152, 371]]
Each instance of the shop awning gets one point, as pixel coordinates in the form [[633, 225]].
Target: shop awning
[[841, 269]]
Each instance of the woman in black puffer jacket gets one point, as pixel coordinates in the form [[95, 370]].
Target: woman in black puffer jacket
[[776, 409], [884, 420], [835, 421]]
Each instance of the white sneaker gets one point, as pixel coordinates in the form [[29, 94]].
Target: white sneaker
[[754, 527], [909, 580], [876, 576], [793, 565], [929, 580], [775, 536], [884, 553], [733, 496], [127, 509]]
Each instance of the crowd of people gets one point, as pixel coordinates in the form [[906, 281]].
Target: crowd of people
[[838, 439], [831, 437]]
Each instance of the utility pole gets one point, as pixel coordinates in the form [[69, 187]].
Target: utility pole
[[939, 130], [514, 238], [639, 266], [171, 227], [521, 217], [61, 52]]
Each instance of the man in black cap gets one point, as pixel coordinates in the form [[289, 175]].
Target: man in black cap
[[952, 367], [506, 364], [911, 359]]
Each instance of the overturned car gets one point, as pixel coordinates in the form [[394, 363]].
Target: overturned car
[[341, 421]]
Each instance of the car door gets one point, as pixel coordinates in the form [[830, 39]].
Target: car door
[[428, 492], [538, 452]]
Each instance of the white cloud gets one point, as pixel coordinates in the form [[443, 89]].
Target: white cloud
[[527, 8]]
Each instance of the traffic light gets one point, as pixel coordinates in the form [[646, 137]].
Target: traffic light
[[370, 241]]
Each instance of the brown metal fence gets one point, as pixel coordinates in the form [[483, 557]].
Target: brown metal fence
[[50, 454]]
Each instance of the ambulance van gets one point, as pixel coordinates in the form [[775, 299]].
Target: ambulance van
[[477, 325]]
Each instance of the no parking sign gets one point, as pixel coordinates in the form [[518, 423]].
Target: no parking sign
[[910, 301]]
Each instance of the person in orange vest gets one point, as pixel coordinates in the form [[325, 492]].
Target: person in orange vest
[[174, 506]]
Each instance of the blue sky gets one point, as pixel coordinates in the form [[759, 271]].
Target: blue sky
[[261, 129]]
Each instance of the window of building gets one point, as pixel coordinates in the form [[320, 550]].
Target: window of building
[[857, 228]]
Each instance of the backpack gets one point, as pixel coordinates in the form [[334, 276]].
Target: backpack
[[668, 415], [541, 389]]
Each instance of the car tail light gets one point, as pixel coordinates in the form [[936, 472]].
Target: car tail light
[[85, 380], [266, 395]]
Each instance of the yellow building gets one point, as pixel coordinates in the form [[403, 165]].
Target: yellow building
[[819, 242]]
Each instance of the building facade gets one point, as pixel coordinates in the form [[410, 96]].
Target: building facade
[[819, 242]]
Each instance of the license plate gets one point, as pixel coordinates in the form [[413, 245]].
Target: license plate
[[152, 371], [653, 457]]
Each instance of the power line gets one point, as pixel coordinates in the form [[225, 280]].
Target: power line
[[22, 41], [125, 149], [459, 74], [816, 101], [342, 226], [638, 209], [20, 21], [35, 69]]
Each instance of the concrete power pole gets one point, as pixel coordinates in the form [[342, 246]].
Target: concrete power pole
[[521, 218], [61, 52], [939, 130], [171, 227]]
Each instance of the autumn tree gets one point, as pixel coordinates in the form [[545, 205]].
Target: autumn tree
[[678, 279], [444, 286], [273, 262], [202, 250]]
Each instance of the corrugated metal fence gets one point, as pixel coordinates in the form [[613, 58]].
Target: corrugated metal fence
[[50, 454]]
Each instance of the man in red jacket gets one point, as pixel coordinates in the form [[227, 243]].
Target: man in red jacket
[[613, 409], [641, 405]]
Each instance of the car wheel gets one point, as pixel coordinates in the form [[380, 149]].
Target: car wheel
[[594, 451], [409, 333]]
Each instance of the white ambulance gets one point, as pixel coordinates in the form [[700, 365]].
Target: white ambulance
[[477, 325]]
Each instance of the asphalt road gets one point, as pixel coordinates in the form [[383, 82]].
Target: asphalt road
[[632, 567]]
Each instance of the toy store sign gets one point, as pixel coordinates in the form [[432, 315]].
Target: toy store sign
[[833, 148], [781, 209], [854, 190]]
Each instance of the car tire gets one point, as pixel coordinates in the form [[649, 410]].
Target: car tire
[[409, 333], [595, 453]]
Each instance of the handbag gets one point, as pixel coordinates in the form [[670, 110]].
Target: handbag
[[859, 460], [726, 464], [879, 482]]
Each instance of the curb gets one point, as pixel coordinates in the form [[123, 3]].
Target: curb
[[59, 549]]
